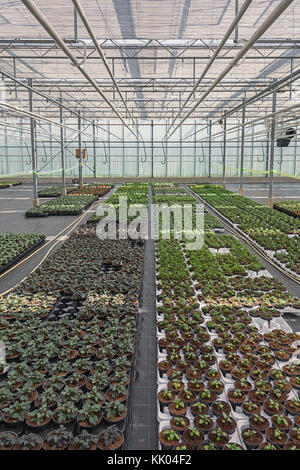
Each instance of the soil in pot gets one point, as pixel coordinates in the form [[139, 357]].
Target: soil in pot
[[218, 437], [252, 438], [168, 438], [204, 423], [193, 437], [179, 423], [177, 408], [293, 407], [226, 423], [220, 407], [281, 422], [276, 436], [259, 422], [114, 445]]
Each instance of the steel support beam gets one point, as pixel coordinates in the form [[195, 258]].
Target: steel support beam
[[224, 154], [272, 151], [209, 148], [80, 151], [152, 148], [62, 149], [241, 190], [35, 201], [94, 149], [281, 7]]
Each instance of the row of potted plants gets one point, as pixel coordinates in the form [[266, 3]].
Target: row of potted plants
[[63, 205], [55, 191], [13, 246], [99, 189], [62, 439], [214, 352], [72, 373], [272, 230], [136, 193], [76, 267], [289, 207]]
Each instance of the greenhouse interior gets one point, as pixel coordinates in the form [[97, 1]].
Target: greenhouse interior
[[149, 227]]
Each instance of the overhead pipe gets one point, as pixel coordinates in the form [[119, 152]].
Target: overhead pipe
[[48, 98], [89, 29], [248, 123], [40, 17], [284, 4], [41, 118], [231, 28]]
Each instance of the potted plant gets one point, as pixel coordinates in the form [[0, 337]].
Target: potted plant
[[276, 436], [295, 434], [114, 411], [177, 407], [199, 408], [258, 422], [232, 446], [226, 423], [29, 441], [252, 438], [292, 406], [272, 407], [204, 423], [218, 437], [84, 441], [58, 439], [236, 397], [117, 392], [193, 436], [168, 438], [7, 440], [89, 417], [281, 422], [65, 413], [15, 414], [179, 423], [39, 419]]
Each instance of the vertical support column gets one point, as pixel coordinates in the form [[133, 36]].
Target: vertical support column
[[267, 154], [236, 30], [241, 190], [35, 201], [109, 150], [272, 150], [195, 147], [180, 150], [75, 25], [94, 148], [152, 149], [62, 148], [123, 151], [224, 155], [137, 151], [80, 150], [6, 149], [209, 148]]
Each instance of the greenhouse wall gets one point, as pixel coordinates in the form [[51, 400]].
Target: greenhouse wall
[[116, 152]]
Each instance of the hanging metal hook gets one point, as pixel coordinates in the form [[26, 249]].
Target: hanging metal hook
[[281, 157], [203, 158], [44, 159], [30, 161], [106, 159], [164, 161], [263, 152], [222, 152], [145, 153]]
